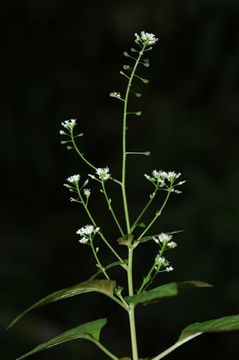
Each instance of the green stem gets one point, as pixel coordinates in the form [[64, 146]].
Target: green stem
[[111, 209], [98, 261], [94, 223], [105, 350], [158, 213], [78, 151], [149, 278], [144, 209], [131, 309], [124, 196], [175, 346]]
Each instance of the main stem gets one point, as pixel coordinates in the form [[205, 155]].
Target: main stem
[[126, 212], [132, 307]]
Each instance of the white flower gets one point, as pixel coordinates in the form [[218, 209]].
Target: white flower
[[74, 179], [69, 124], [86, 232], [171, 244], [160, 178], [84, 240], [115, 94], [103, 173], [87, 192], [172, 175], [62, 132], [146, 38], [169, 268], [160, 260], [162, 238]]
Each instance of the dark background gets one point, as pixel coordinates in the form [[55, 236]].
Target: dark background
[[61, 59]]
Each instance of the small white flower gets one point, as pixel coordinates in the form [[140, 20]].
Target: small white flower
[[69, 124], [169, 268], [160, 260], [160, 179], [87, 192], [84, 240], [172, 176], [171, 244], [146, 38], [103, 173], [74, 179], [86, 232], [62, 132], [115, 94], [162, 238]]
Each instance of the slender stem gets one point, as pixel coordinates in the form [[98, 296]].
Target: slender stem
[[105, 350], [98, 261], [111, 209], [78, 151], [149, 277], [132, 306], [158, 213], [174, 346], [94, 223], [124, 142], [144, 209]]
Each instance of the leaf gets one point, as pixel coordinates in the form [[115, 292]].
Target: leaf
[[164, 291], [105, 287], [89, 331], [227, 323], [192, 284]]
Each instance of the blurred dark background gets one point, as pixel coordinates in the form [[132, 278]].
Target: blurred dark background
[[61, 59]]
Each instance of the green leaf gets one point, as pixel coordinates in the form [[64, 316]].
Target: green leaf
[[192, 284], [89, 331], [105, 287], [227, 323], [164, 291]]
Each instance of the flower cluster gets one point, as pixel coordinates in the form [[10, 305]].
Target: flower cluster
[[102, 173], [87, 192], [146, 38], [163, 179], [165, 240], [73, 182], [160, 262], [87, 232], [116, 95], [68, 124], [74, 179]]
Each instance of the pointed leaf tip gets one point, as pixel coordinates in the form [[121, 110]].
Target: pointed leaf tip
[[89, 331], [105, 287], [165, 291], [227, 323]]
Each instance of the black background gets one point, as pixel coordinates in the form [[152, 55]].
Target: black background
[[60, 60]]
